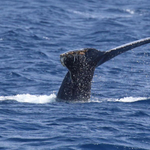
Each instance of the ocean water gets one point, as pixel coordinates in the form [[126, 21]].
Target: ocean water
[[33, 33]]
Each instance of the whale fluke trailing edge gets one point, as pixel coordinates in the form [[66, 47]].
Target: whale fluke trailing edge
[[81, 64]]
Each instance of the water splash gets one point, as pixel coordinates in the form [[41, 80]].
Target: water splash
[[131, 99], [123, 100], [27, 98], [42, 99]]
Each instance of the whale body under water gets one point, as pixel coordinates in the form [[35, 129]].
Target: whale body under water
[[81, 65]]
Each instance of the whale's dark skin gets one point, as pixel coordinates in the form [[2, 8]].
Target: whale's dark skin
[[81, 64]]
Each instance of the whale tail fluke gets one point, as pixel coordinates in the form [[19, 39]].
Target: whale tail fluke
[[81, 65]]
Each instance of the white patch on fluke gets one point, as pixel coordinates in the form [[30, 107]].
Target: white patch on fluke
[[62, 60], [27, 98]]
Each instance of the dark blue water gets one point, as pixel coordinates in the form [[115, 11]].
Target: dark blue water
[[33, 33]]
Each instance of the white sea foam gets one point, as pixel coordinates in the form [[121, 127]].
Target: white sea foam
[[131, 99], [27, 98], [124, 100], [41, 99], [130, 11]]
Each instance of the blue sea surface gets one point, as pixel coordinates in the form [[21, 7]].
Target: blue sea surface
[[33, 34]]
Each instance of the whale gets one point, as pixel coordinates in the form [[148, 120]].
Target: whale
[[81, 65]]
